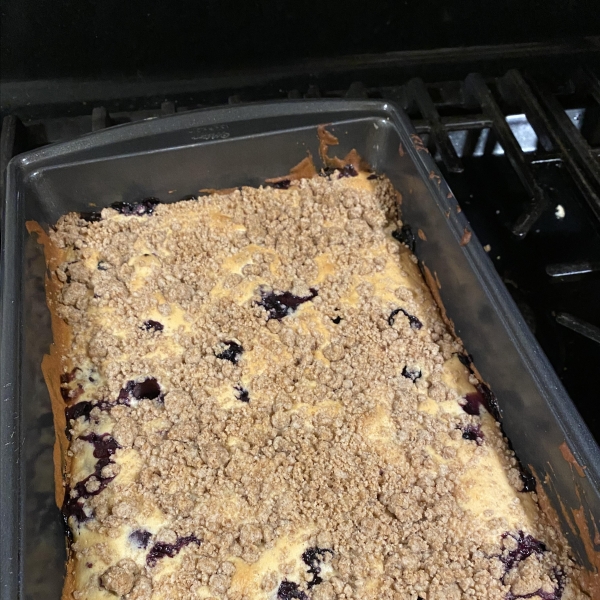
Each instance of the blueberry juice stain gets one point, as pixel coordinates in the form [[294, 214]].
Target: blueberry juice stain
[[149, 389], [104, 448], [281, 304], [482, 397], [526, 546], [162, 549]]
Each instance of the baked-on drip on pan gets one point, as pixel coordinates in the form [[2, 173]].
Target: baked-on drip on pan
[[262, 401]]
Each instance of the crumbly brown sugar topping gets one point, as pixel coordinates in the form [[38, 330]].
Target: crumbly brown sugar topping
[[264, 403]]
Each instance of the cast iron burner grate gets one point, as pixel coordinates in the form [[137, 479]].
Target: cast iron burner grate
[[521, 154]]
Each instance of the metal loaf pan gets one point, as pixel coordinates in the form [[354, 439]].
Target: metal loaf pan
[[174, 156]]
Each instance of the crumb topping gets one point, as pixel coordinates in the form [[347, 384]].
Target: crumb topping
[[264, 403]]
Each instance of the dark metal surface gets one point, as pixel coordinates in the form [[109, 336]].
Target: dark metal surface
[[156, 156], [580, 326], [42, 96]]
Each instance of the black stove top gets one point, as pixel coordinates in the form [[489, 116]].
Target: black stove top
[[516, 131]]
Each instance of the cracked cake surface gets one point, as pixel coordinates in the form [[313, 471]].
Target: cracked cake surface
[[262, 402]]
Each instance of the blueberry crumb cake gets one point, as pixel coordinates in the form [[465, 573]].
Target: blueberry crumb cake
[[261, 401]]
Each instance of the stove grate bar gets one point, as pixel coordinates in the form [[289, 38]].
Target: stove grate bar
[[437, 129], [590, 82], [476, 87], [574, 268], [553, 127], [579, 325]]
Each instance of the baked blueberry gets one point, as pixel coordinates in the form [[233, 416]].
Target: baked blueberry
[[90, 216], [312, 558], [281, 304], [81, 409], [413, 321], [405, 236], [348, 171], [284, 184], [140, 538], [104, 447], [137, 209], [412, 374], [232, 352], [241, 393], [288, 590], [151, 325], [482, 397], [149, 389], [473, 433]]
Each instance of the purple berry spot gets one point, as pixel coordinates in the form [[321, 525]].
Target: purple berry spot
[[413, 321], [279, 305], [473, 402], [527, 478], [288, 590], [162, 549], [473, 433], [465, 359], [412, 374], [241, 394], [405, 236], [104, 447], [526, 546], [81, 409], [149, 389], [284, 184], [140, 538], [151, 325], [136, 209], [556, 594], [482, 397], [68, 377], [90, 216], [232, 352], [313, 557], [348, 171], [69, 394]]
